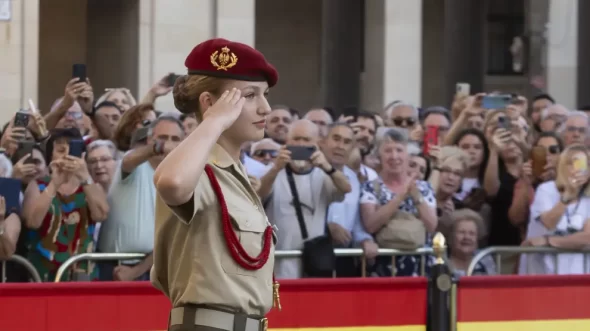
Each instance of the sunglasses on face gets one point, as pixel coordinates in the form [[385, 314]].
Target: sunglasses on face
[[264, 152], [553, 149], [404, 121]]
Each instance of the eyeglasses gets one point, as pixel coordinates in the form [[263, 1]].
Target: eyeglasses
[[579, 129], [264, 152], [404, 121], [94, 162], [74, 114], [449, 171]]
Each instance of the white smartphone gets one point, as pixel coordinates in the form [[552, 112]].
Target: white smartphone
[[32, 106], [463, 88]]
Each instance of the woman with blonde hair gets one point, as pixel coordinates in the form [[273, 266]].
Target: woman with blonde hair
[[453, 163], [395, 191], [206, 200], [559, 217], [120, 96]]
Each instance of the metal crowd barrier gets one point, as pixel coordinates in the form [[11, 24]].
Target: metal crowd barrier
[[339, 252], [95, 257], [22, 261], [511, 250]]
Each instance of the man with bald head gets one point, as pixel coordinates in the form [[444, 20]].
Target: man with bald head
[[321, 118], [314, 181], [553, 117]]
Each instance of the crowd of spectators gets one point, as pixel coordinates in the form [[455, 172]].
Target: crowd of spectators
[[495, 169]]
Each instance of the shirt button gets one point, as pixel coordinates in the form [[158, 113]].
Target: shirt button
[[247, 224], [256, 206]]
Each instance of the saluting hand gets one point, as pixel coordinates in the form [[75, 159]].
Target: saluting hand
[[226, 109]]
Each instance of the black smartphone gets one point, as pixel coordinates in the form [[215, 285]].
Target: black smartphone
[[24, 148], [76, 147], [21, 119], [504, 122], [301, 153], [10, 190], [140, 135], [351, 111], [79, 71], [171, 79]]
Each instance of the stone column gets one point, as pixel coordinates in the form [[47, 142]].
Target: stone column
[[583, 54], [341, 53], [537, 15], [464, 44], [19, 57], [562, 51], [393, 53]]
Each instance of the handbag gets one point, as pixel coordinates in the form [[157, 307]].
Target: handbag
[[404, 231], [318, 258]]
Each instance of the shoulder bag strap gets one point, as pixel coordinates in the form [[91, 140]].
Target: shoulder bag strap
[[296, 203]]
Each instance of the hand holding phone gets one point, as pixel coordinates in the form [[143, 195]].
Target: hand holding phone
[[430, 139], [580, 163], [496, 101], [539, 161], [76, 148], [79, 71], [21, 119], [301, 153], [10, 193], [462, 89]]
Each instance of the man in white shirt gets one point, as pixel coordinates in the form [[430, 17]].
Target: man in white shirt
[[132, 198], [318, 184], [344, 220]]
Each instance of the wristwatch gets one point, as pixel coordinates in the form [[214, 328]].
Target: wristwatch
[[88, 181], [331, 171]]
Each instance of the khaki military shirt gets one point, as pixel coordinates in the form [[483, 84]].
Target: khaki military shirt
[[192, 263]]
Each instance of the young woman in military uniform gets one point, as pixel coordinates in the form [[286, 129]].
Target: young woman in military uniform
[[214, 246]]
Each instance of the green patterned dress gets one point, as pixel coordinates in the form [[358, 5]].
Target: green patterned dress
[[67, 230]]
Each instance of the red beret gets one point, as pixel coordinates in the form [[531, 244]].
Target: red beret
[[227, 59]]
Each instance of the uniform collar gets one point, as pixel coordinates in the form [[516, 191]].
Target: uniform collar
[[220, 157]]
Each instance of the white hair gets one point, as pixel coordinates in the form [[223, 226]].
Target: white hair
[[103, 143], [392, 106], [5, 166], [398, 135], [574, 114], [265, 140]]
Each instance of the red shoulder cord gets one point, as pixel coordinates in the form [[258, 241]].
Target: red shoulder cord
[[234, 246]]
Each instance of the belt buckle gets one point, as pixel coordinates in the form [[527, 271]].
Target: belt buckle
[[264, 324]]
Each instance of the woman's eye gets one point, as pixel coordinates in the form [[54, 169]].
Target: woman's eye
[[250, 96]]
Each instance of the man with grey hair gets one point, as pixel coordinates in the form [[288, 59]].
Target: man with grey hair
[[321, 118], [575, 128], [310, 178], [553, 117], [400, 114], [132, 198]]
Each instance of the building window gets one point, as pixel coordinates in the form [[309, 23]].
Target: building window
[[505, 22]]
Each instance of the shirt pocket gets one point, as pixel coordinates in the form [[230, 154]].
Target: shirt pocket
[[249, 228]]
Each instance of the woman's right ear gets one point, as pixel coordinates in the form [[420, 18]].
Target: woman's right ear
[[205, 101]]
